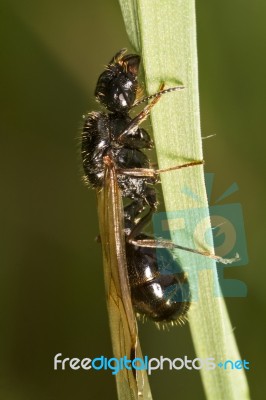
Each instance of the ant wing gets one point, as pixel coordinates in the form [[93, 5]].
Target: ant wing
[[131, 384]]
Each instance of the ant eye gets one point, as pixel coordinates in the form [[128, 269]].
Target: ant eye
[[132, 61]]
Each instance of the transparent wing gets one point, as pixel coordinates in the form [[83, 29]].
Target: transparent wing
[[123, 325]]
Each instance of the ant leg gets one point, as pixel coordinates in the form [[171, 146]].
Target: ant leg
[[134, 224], [153, 173], [131, 212], [135, 122], [159, 93], [160, 244], [167, 244], [138, 228]]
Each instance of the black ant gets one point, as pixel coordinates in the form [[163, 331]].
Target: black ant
[[117, 139]]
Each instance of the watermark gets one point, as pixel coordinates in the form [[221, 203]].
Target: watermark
[[148, 364], [227, 235]]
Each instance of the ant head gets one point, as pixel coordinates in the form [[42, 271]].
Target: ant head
[[117, 85]]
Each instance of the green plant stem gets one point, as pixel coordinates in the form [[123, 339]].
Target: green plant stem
[[164, 33]]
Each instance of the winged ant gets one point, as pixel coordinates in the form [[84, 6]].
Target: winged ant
[[114, 138]]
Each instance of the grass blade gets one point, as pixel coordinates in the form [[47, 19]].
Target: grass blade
[[164, 33]]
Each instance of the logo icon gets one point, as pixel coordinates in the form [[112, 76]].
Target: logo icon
[[227, 233]]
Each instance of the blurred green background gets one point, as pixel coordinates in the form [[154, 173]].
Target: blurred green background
[[52, 293]]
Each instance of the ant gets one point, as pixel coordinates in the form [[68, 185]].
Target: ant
[[115, 138]]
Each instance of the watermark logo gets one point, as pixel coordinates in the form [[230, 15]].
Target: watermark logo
[[149, 364], [227, 234]]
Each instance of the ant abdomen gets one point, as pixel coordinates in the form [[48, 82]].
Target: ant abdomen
[[159, 288]]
